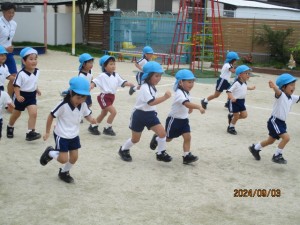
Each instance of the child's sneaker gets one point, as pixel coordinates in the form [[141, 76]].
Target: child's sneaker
[[230, 116], [203, 104], [94, 130], [131, 90], [45, 158], [9, 132], [189, 158], [279, 159], [226, 105], [32, 135], [125, 154], [109, 131], [164, 157], [65, 176], [254, 152], [231, 130], [153, 142]]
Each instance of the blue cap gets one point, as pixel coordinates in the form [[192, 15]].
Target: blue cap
[[147, 50], [104, 59], [240, 69], [151, 67], [83, 58], [183, 74], [285, 79], [79, 85], [27, 51], [2, 50], [230, 56]]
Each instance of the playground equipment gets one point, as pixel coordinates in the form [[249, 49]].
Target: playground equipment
[[197, 39]]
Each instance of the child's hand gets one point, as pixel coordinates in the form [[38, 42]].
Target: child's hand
[[190, 111], [46, 136], [39, 93], [168, 94], [252, 88], [233, 100], [202, 110], [271, 84], [20, 99]]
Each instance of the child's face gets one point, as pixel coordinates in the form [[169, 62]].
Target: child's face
[[187, 85], [111, 66], [289, 89], [88, 65], [245, 76], [76, 100], [155, 78], [148, 56], [30, 62], [9, 14], [2, 58]]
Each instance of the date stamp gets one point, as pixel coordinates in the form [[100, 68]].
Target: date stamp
[[244, 193]]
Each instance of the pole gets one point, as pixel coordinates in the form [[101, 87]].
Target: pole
[[45, 24], [73, 26]]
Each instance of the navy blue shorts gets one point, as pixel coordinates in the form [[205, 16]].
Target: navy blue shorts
[[177, 127], [138, 77], [222, 85], [1, 88], [88, 100], [276, 127], [30, 99], [11, 63], [140, 119], [238, 106], [65, 145]]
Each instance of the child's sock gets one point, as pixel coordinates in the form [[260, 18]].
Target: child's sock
[[205, 100], [54, 154], [257, 146], [231, 125], [161, 145], [66, 167], [186, 153], [278, 151], [134, 88], [108, 125], [127, 145]]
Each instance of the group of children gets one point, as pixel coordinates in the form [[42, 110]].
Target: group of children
[[77, 102]]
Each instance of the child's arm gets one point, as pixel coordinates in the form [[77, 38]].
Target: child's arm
[[251, 88], [275, 88], [192, 106], [230, 96], [91, 119], [93, 85], [161, 99], [48, 127], [138, 66], [128, 84], [18, 95], [38, 92]]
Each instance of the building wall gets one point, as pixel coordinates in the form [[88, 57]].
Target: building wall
[[275, 14]]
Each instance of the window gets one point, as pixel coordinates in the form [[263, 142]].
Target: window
[[163, 5], [127, 5]]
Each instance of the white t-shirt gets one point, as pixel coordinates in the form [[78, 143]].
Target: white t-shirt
[[109, 83], [146, 95], [142, 62], [238, 89], [4, 73], [178, 109], [7, 31], [87, 76], [68, 118], [4, 100], [225, 72], [27, 81], [283, 105]]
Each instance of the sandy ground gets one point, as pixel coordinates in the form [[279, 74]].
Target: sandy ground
[[108, 190]]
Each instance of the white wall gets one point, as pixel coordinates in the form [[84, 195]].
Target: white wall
[[31, 28], [267, 14]]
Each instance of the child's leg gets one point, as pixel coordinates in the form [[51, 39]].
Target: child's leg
[[111, 109], [125, 148], [277, 157], [13, 118], [186, 142], [285, 138], [213, 96], [161, 137], [102, 115], [235, 118], [32, 112], [265, 143]]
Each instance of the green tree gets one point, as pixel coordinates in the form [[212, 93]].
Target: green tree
[[276, 40], [84, 8]]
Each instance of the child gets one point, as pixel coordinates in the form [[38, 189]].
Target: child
[[147, 56], [236, 94], [85, 71], [145, 115], [5, 100], [108, 81], [223, 83], [4, 73], [284, 99], [68, 113], [25, 91], [177, 123]]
